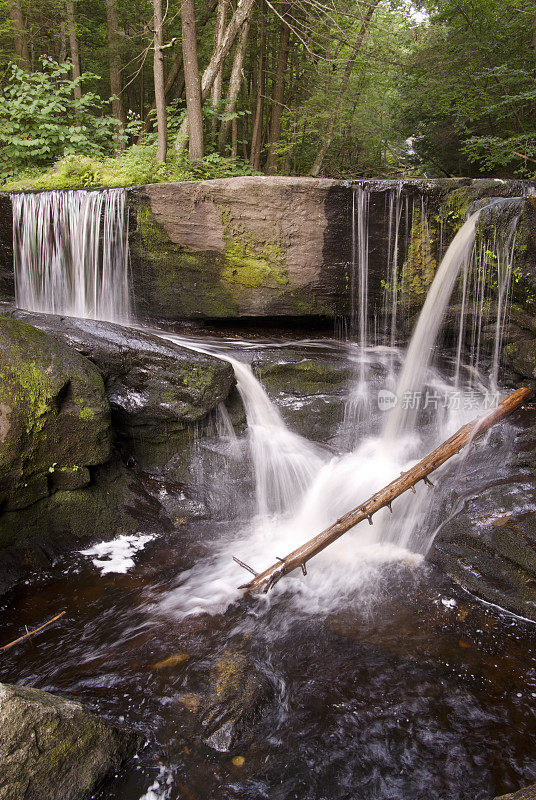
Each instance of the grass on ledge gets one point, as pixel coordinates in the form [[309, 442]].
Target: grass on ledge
[[135, 166]]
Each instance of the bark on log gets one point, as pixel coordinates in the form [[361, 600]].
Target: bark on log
[[299, 557]]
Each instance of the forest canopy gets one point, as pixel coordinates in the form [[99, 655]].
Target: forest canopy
[[110, 92]]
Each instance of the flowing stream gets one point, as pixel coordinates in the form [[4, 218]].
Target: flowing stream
[[386, 681]]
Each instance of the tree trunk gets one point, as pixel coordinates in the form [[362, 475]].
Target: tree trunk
[[384, 498], [116, 86], [159, 88], [240, 15], [278, 98], [21, 37], [328, 138], [256, 134], [191, 79], [218, 37], [176, 72], [235, 82], [73, 45]]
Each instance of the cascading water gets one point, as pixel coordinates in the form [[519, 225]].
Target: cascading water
[[70, 252], [328, 487], [419, 351], [299, 487]]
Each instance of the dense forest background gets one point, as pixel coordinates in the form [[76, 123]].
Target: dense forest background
[[111, 92]]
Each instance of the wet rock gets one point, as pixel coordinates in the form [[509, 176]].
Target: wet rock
[[226, 714], [250, 246], [521, 357], [495, 559], [54, 749], [528, 793], [305, 376], [54, 416], [157, 390]]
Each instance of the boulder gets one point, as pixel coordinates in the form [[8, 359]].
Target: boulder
[[521, 357], [157, 389], [54, 416], [304, 376], [54, 749]]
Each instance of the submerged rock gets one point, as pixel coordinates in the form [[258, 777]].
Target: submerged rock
[[54, 749], [223, 718]]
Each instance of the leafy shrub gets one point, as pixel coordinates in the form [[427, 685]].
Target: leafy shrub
[[41, 120], [135, 166]]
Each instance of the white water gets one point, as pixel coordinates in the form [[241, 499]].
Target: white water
[[322, 489], [70, 252], [420, 348]]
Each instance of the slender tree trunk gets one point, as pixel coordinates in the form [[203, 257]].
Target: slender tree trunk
[[256, 134], [159, 88], [20, 35], [218, 38], [278, 98], [328, 137], [73, 45], [240, 15], [116, 87], [235, 82], [176, 72], [191, 79]]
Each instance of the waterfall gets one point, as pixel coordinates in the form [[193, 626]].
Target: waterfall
[[359, 275], [423, 339], [70, 252]]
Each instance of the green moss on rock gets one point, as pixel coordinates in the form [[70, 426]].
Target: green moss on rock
[[250, 262], [53, 411]]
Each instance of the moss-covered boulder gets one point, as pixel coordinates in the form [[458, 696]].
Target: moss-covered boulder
[[54, 749], [54, 416], [157, 389], [304, 376]]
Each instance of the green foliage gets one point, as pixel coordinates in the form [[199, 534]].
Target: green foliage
[[41, 121], [135, 166], [468, 96]]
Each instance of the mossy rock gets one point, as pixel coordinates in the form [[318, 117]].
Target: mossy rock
[[521, 357], [158, 391], [54, 415], [54, 749], [304, 376]]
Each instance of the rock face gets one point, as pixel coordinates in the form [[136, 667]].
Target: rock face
[[54, 416], [255, 248], [241, 247], [487, 546], [53, 749]]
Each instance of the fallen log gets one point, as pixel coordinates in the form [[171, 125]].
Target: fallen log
[[407, 480]]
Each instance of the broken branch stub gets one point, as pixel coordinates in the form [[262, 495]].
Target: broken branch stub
[[407, 480]]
